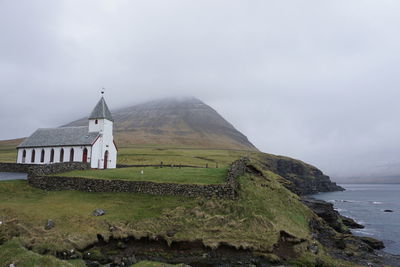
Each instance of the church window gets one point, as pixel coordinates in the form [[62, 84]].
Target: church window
[[62, 155], [96, 121], [42, 156], [71, 155], [23, 156], [84, 155], [33, 156], [52, 155]]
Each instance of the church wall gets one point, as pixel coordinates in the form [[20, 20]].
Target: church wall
[[95, 154], [78, 154]]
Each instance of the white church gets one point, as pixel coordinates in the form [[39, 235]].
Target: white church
[[93, 144]]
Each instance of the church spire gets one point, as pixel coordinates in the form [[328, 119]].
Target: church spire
[[101, 111]]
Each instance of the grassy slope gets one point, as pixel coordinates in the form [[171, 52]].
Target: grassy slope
[[253, 221], [158, 175], [13, 253]]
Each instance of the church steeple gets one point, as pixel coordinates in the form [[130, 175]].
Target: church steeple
[[101, 111]]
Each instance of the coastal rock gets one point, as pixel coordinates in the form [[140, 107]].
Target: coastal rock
[[372, 242], [349, 222], [98, 212], [326, 211], [302, 178]]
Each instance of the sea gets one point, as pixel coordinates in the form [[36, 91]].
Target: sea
[[365, 203]]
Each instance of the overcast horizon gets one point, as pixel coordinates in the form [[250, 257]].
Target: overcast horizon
[[313, 80]]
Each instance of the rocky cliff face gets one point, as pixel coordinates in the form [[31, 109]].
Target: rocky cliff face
[[301, 178]]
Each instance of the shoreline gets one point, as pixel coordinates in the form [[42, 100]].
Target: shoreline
[[337, 221]]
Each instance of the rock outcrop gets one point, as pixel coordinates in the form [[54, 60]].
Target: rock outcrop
[[302, 178], [326, 211]]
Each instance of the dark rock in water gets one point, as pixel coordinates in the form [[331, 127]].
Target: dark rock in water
[[98, 212], [326, 211], [49, 224], [388, 211], [349, 222], [372, 242]]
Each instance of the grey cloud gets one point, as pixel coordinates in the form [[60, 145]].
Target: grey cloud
[[316, 80]]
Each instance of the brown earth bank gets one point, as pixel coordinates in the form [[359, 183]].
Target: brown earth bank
[[328, 228]]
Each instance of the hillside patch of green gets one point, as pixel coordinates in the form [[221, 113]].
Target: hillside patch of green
[[13, 253], [155, 174]]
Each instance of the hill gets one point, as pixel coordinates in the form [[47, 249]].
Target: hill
[[174, 122]]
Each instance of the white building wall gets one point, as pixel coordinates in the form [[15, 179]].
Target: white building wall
[[78, 154], [104, 143], [95, 154]]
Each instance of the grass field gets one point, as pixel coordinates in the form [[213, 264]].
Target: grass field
[[263, 209], [154, 155], [8, 153], [158, 175]]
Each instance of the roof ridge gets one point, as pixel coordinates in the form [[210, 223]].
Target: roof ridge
[[101, 111]]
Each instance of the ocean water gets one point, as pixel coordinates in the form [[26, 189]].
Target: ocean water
[[12, 176], [365, 203]]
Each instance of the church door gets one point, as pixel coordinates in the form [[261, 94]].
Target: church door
[[105, 159], [84, 156]]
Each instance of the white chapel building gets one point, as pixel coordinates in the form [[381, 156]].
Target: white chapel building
[[93, 143]]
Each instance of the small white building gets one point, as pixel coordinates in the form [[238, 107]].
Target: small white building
[[93, 143]]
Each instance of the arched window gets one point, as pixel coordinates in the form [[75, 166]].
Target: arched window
[[23, 156], [96, 121], [33, 156], [52, 155], [42, 156], [62, 155], [84, 155], [71, 155], [106, 159]]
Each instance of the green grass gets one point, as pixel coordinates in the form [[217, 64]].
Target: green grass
[[24, 211], [158, 175], [13, 252], [8, 153], [253, 221]]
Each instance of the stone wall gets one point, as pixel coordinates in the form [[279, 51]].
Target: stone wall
[[102, 185], [41, 179], [44, 169], [47, 169], [14, 167]]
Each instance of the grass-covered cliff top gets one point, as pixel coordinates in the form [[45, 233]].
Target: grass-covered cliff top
[[253, 221], [263, 209], [156, 174]]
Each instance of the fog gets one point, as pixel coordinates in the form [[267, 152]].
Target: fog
[[315, 80]]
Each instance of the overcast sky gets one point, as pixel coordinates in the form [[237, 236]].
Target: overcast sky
[[316, 80]]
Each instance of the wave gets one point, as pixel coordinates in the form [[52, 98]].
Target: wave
[[368, 232], [340, 210]]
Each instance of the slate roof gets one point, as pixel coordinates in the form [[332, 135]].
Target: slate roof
[[101, 111], [64, 136]]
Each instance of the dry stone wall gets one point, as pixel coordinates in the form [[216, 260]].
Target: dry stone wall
[[14, 167], [41, 178]]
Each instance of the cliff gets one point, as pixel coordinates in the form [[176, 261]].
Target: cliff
[[300, 178]]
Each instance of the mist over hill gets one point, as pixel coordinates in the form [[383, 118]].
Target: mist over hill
[[174, 121]]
